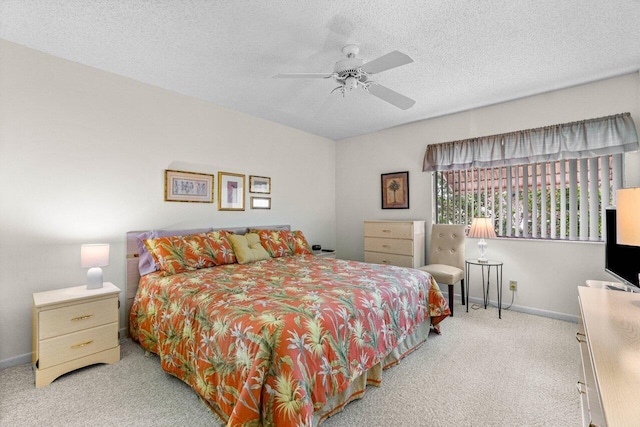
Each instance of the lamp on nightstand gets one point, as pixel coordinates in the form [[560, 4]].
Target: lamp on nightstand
[[482, 228], [93, 257]]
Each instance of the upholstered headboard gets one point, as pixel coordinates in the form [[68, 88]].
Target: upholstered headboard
[[133, 274]]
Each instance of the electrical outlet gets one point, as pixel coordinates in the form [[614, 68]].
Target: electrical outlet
[[513, 285]]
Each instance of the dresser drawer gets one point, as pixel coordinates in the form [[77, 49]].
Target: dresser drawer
[[54, 351], [393, 230], [390, 259], [391, 246], [73, 318]]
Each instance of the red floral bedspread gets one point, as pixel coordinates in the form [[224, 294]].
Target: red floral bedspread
[[266, 343]]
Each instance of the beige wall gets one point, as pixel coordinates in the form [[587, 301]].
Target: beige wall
[[82, 160], [547, 272]]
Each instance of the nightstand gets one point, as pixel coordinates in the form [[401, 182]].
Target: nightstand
[[325, 254], [73, 328]]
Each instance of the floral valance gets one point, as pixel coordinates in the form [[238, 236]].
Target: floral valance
[[587, 138]]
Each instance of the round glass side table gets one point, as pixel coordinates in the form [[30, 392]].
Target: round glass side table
[[485, 266]]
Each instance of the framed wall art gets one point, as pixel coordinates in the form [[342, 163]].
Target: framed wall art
[[260, 202], [395, 190], [230, 191], [259, 184], [188, 187]]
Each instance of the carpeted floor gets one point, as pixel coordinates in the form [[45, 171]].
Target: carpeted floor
[[482, 371]]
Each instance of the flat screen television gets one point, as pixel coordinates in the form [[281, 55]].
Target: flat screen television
[[621, 261]]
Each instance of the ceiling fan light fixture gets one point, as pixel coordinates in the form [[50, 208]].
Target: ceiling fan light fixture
[[351, 72], [351, 83]]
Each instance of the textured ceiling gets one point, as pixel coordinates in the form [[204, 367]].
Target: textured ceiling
[[467, 53]]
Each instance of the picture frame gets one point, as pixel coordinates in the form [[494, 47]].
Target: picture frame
[[230, 191], [180, 186], [260, 202], [395, 190], [259, 184]]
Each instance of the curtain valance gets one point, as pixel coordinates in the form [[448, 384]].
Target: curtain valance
[[587, 138]]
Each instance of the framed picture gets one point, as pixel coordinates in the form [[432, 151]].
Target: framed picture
[[259, 184], [395, 190], [260, 202], [230, 191], [188, 187]]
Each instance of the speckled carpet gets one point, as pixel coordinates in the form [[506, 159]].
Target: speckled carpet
[[482, 371]]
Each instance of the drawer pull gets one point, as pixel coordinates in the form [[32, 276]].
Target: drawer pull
[[88, 316], [580, 335], [386, 231], [384, 261], [579, 386], [83, 344], [386, 246]]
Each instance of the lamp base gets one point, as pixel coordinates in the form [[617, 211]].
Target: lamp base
[[94, 278], [482, 247]]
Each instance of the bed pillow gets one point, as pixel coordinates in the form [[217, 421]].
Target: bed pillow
[[248, 248], [146, 263], [177, 254], [277, 242], [300, 244], [218, 247]]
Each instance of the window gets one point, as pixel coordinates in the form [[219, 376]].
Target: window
[[563, 199], [553, 182]]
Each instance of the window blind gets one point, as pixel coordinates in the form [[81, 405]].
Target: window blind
[[563, 199]]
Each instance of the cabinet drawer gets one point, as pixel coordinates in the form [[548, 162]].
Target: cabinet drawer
[[391, 246], [79, 344], [589, 400], [391, 259], [393, 230], [73, 318]]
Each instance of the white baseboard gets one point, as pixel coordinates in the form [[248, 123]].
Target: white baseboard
[[520, 308], [23, 359]]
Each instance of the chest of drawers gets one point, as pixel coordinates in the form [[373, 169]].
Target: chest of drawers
[[398, 243], [72, 328]]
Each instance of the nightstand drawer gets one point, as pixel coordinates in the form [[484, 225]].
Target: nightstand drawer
[[391, 246], [390, 259], [73, 346], [389, 229], [73, 318]]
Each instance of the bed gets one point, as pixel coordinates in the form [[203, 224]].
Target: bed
[[283, 341]]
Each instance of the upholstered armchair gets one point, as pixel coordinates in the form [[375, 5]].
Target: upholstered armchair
[[446, 257]]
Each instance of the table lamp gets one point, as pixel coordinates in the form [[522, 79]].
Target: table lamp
[[628, 216], [482, 228], [93, 257]]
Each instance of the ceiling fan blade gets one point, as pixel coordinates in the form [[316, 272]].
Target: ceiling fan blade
[[303, 76], [392, 97], [386, 62]]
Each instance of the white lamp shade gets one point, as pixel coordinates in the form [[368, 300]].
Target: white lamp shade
[[482, 228], [96, 255], [628, 216]]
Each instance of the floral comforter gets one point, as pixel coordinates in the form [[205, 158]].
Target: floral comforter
[[267, 343]]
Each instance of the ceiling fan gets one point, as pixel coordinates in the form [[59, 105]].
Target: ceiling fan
[[351, 73]]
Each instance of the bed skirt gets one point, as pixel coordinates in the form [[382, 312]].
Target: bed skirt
[[374, 375]]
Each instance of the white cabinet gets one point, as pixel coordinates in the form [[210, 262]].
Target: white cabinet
[[398, 243]]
